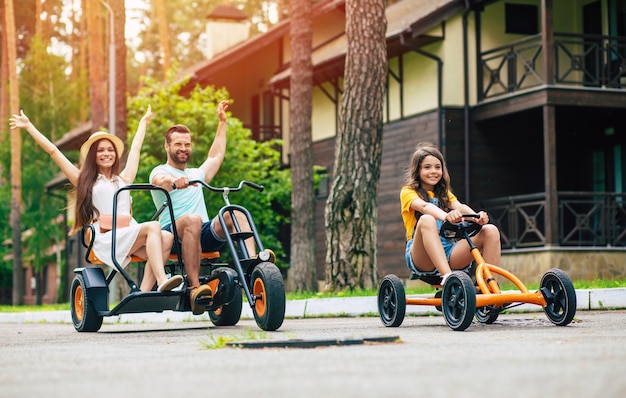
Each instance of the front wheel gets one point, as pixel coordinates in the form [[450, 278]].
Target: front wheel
[[559, 292], [268, 290], [391, 301], [458, 301], [84, 315]]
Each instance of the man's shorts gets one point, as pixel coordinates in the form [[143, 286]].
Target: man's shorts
[[209, 240]]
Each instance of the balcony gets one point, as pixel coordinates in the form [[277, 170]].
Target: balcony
[[579, 60], [586, 219]]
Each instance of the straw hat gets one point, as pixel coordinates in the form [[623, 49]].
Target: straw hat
[[117, 143]]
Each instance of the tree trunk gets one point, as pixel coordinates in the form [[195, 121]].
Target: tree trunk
[[38, 21], [351, 210], [97, 80], [302, 275], [4, 84], [120, 71], [16, 156], [159, 6], [144, 65], [82, 69]]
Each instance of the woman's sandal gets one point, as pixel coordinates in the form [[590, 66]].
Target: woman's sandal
[[170, 284]]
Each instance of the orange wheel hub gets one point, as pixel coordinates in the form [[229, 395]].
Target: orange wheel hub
[[258, 290], [79, 302]]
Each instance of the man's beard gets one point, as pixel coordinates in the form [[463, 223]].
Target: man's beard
[[180, 159]]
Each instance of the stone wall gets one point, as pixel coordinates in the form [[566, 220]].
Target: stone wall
[[580, 264], [529, 265]]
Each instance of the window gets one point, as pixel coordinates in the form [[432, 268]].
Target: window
[[521, 19]]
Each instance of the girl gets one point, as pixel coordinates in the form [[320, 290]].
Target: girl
[[95, 183], [427, 202]]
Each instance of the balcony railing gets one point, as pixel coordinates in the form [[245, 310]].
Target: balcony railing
[[582, 60], [264, 132], [586, 219]]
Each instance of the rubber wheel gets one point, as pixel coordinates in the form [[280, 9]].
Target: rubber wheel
[[560, 294], [269, 289], [486, 315], [84, 316], [228, 315], [391, 301], [459, 301]]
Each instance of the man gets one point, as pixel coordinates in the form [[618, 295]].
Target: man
[[196, 231]]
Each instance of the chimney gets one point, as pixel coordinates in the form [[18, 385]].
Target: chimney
[[227, 26]]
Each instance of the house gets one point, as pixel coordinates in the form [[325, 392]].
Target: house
[[524, 98], [49, 274]]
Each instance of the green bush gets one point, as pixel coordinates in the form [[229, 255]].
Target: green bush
[[245, 159]]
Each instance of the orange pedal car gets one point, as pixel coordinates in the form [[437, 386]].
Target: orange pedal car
[[474, 292]]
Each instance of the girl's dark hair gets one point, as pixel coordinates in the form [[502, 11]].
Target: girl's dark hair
[[440, 190], [85, 212]]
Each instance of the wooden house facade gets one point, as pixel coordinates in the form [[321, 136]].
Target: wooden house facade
[[524, 97]]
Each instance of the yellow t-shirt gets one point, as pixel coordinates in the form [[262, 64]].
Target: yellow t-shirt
[[407, 196]]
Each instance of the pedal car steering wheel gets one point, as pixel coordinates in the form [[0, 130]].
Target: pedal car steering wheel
[[459, 230]]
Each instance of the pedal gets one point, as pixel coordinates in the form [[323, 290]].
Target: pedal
[[205, 300]]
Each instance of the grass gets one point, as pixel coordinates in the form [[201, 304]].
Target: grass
[[421, 288], [215, 342], [595, 284], [35, 308]]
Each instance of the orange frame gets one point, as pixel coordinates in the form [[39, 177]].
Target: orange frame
[[489, 292]]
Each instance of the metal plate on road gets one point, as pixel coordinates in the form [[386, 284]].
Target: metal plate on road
[[312, 343]]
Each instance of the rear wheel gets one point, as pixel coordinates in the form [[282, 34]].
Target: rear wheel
[[560, 295], [84, 315], [459, 301], [391, 301], [268, 289], [228, 315], [487, 315]]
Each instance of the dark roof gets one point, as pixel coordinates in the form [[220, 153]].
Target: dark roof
[[74, 138], [227, 11], [412, 17], [202, 69]]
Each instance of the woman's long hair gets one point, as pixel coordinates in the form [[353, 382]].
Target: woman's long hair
[[440, 190], [84, 211]]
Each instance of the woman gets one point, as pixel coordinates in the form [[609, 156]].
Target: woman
[[96, 182], [427, 202]]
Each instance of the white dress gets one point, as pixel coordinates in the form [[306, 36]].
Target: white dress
[[102, 197]]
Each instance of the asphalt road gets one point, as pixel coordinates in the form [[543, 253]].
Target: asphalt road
[[521, 355]]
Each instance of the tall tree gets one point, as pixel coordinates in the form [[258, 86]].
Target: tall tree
[[351, 210], [161, 14], [4, 83], [97, 81], [302, 275], [119, 12], [80, 73], [45, 95], [16, 156]]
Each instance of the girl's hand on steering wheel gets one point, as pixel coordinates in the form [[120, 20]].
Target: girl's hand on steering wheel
[[454, 216], [483, 219]]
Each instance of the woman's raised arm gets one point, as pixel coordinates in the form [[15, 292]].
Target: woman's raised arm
[[132, 162], [67, 167]]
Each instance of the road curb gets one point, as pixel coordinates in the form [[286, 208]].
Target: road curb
[[594, 299]]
